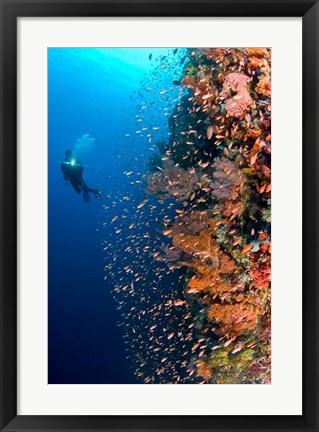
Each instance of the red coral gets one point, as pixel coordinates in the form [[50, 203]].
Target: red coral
[[240, 103], [261, 276]]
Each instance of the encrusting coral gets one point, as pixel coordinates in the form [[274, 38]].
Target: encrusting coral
[[241, 102]]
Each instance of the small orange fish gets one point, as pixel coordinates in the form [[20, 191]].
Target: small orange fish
[[237, 241], [192, 291], [262, 189], [209, 132], [179, 303], [268, 188], [207, 96], [236, 350], [253, 159], [247, 248]]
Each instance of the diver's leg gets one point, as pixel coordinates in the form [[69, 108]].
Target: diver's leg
[[76, 185], [94, 191], [86, 195]]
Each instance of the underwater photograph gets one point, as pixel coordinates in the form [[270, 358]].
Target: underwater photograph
[[159, 215]]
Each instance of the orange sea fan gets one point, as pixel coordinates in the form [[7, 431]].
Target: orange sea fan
[[258, 63], [233, 319], [257, 52], [202, 246], [200, 282]]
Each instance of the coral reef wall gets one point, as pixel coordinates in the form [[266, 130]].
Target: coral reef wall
[[216, 166]]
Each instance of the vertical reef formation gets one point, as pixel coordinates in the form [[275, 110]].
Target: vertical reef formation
[[216, 168]]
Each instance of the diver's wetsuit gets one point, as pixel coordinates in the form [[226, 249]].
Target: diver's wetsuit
[[72, 169]]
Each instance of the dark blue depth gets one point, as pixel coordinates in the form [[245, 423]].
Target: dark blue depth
[[86, 90]]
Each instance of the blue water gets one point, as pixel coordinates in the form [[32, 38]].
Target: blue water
[[89, 92]]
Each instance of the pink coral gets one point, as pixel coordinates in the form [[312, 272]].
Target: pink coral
[[240, 103]]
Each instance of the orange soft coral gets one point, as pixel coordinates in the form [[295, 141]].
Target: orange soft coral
[[253, 132], [258, 63], [239, 104], [264, 86], [257, 52]]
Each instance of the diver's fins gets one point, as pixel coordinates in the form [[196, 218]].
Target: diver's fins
[[86, 196], [97, 194]]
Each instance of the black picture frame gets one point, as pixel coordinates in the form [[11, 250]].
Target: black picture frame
[[10, 11]]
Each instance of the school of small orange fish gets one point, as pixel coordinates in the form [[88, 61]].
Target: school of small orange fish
[[187, 231]]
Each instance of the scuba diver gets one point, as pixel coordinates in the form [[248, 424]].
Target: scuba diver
[[72, 169]]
